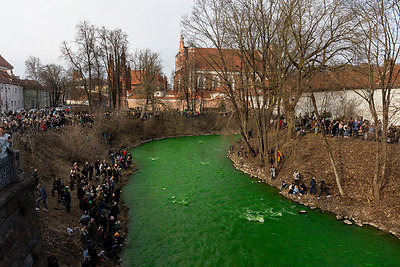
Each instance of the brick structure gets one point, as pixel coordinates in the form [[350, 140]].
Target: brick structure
[[197, 83], [20, 237]]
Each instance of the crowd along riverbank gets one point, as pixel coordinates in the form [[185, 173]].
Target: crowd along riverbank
[[88, 142], [353, 208]]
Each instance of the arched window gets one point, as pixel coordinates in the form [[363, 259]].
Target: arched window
[[232, 82], [216, 82], [200, 82]]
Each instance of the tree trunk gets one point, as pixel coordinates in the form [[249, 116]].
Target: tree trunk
[[277, 134], [144, 107], [290, 120], [328, 148], [376, 186]]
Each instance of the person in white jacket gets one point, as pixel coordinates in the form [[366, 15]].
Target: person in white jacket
[[5, 142]]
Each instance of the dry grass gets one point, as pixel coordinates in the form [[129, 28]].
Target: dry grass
[[54, 152]]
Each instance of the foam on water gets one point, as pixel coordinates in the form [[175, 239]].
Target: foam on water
[[253, 216]]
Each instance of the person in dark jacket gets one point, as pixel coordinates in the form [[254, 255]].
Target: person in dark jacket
[[56, 187], [35, 177], [67, 199], [84, 203], [91, 168], [313, 186], [323, 188], [114, 210], [85, 218], [92, 230], [43, 197]]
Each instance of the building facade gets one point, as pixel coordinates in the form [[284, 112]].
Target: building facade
[[11, 89], [35, 95], [202, 75]]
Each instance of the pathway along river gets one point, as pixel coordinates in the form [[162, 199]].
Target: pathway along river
[[190, 207]]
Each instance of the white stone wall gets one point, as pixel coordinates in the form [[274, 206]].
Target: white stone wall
[[351, 104], [11, 97]]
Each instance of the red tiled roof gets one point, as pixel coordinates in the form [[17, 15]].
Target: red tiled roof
[[5, 64], [212, 58], [355, 77], [32, 85], [8, 79]]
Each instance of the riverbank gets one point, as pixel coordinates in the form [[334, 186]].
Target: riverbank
[[86, 143], [356, 173]]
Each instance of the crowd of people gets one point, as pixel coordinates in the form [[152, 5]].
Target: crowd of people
[[350, 128], [83, 119], [98, 194], [297, 186], [34, 120]]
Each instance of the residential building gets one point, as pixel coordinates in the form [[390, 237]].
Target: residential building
[[11, 89], [35, 95], [136, 96]]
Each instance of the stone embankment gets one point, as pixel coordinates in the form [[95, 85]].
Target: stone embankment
[[20, 237], [332, 204]]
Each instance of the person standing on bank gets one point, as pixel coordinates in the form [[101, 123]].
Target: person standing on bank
[[272, 171], [35, 177], [43, 197], [67, 199], [313, 186], [5, 142]]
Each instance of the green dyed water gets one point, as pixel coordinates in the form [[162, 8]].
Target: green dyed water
[[190, 207]]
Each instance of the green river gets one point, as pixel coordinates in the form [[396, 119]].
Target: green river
[[190, 207]]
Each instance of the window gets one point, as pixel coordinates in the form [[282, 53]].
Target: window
[[200, 82], [232, 82], [216, 82]]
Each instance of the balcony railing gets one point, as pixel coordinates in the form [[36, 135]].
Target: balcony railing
[[9, 169]]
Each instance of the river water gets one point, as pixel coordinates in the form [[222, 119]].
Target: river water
[[190, 207]]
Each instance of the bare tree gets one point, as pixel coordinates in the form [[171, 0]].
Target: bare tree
[[316, 35], [56, 79], [114, 46], [207, 27], [147, 70], [378, 46], [83, 57], [281, 46], [33, 67]]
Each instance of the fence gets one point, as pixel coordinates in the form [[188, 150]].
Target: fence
[[9, 169]]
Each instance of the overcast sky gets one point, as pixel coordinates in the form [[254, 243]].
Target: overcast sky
[[37, 27]]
